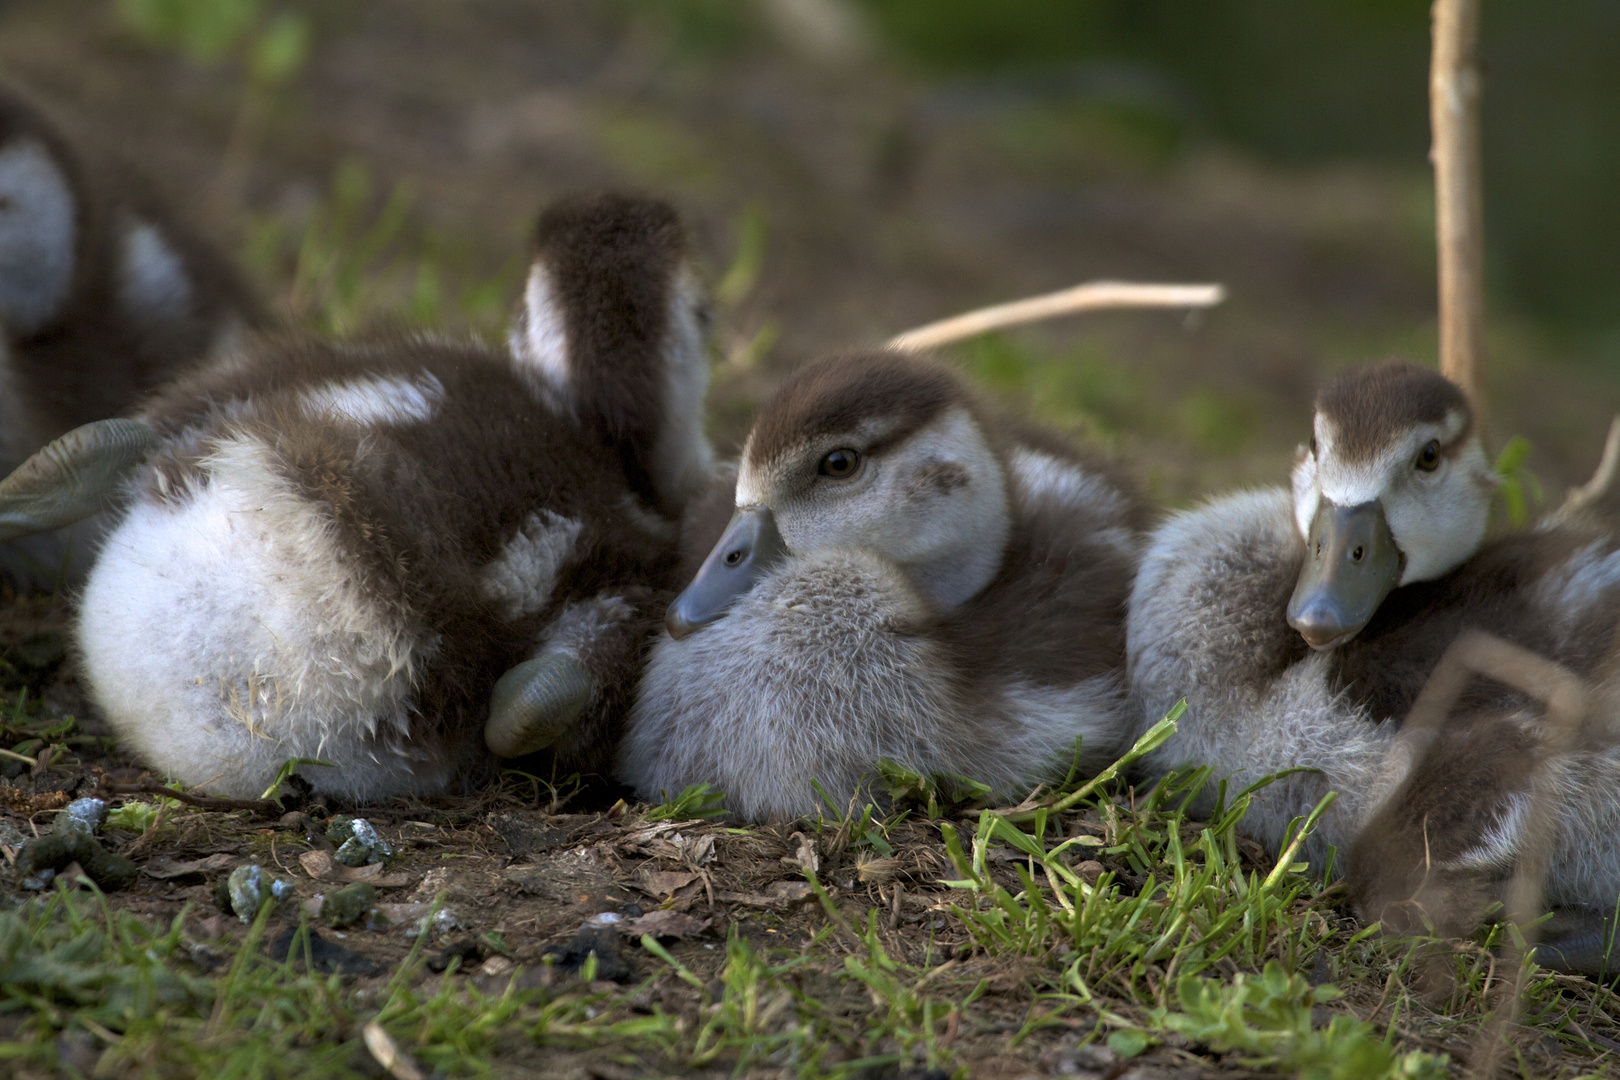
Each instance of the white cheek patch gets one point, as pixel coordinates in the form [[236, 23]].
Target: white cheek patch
[[152, 283], [376, 400], [38, 231], [521, 578], [950, 541], [1043, 478], [755, 483], [539, 341], [1438, 523], [1307, 495], [1437, 519]]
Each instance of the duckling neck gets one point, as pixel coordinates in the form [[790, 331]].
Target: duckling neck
[[951, 577]]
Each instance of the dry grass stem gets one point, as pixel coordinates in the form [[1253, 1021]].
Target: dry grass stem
[[1092, 296], [1479, 654], [1602, 481]]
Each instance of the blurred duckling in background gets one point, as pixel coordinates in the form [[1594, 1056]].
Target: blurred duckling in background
[[335, 551], [104, 294], [907, 576], [1301, 628]]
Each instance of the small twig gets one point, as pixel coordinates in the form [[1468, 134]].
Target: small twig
[[1454, 92], [1476, 653], [1602, 480], [267, 807], [1094, 296]]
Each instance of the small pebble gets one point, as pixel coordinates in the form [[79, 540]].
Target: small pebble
[[72, 839], [81, 815], [348, 905], [445, 922], [249, 886], [358, 842]]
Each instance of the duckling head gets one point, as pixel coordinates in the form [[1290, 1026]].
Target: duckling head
[[1394, 488], [878, 452]]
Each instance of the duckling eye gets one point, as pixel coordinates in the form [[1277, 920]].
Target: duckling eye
[[1428, 458], [840, 464]]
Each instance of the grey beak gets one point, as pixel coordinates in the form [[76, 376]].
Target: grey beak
[[1351, 564], [750, 547]]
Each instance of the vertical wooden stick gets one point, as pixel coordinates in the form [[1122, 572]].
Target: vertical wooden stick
[[1454, 92]]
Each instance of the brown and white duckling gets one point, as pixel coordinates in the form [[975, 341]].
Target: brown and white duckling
[[906, 577], [335, 551], [1301, 627], [103, 294]]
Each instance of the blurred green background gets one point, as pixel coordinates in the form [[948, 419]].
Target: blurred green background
[[1335, 79], [852, 168]]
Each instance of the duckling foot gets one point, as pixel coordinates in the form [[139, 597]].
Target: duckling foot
[[72, 478], [535, 703]]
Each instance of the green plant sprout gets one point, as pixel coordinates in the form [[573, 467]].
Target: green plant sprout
[[285, 773], [140, 817], [1267, 1018], [350, 265], [1520, 488], [693, 803]]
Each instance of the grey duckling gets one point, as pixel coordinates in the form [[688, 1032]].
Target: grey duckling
[[907, 576], [1301, 627]]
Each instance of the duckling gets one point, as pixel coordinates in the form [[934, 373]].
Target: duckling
[[103, 294], [907, 576], [335, 551], [1301, 626]]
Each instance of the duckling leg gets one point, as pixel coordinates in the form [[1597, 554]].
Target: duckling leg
[[71, 478]]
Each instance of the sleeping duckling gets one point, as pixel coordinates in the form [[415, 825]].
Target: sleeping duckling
[[907, 576], [1302, 626], [335, 551], [103, 294]]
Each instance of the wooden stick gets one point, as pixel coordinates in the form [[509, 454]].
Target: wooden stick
[[106, 787], [1454, 92], [1602, 480], [1476, 653], [1093, 296]]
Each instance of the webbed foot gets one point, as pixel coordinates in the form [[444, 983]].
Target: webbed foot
[[535, 703], [72, 478]]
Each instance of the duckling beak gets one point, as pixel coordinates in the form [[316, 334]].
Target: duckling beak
[[1351, 564], [750, 547]]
